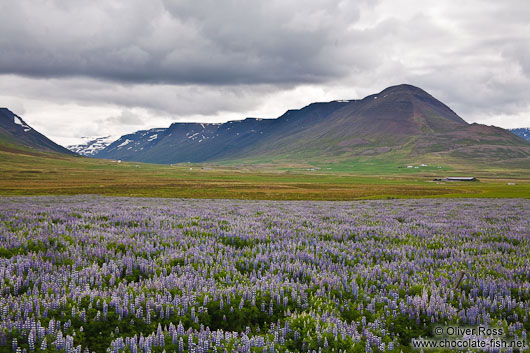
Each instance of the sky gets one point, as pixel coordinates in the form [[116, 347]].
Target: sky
[[81, 68]]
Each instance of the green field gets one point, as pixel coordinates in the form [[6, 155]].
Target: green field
[[26, 172]]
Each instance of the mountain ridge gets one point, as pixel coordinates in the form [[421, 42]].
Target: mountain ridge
[[400, 121], [399, 124]]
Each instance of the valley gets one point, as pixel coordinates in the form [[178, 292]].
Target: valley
[[45, 174]]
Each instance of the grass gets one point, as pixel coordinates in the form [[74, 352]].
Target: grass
[[28, 173]]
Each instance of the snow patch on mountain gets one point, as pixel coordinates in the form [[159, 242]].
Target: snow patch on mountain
[[17, 120], [91, 146], [124, 143]]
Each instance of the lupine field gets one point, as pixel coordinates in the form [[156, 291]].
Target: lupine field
[[94, 274]]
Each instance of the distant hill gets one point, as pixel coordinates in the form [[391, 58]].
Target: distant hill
[[399, 123], [15, 132], [522, 132], [92, 145]]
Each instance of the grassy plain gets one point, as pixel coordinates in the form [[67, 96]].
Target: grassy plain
[[26, 172]]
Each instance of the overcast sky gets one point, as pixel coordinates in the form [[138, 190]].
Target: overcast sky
[[98, 67]]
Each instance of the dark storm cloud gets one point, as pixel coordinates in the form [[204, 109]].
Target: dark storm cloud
[[174, 41]]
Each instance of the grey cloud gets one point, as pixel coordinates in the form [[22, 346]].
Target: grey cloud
[[165, 100], [177, 42], [519, 52], [125, 118]]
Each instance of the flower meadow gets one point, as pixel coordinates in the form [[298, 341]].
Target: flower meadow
[[97, 274]]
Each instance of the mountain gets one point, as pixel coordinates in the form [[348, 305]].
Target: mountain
[[16, 133], [522, 132], [91, 146], [199, 142], [401, 123]]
